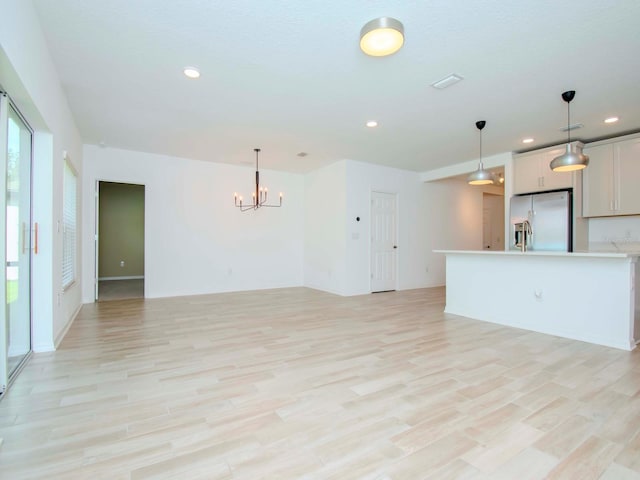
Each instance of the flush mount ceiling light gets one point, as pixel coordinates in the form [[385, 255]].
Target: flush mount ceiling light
[[191, 72], [527, 140], [372, 124], [569, 160], [611, 120], [480, 176], [381, 36], [259, 196]]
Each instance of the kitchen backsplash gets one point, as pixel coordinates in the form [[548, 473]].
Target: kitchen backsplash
[[615, 234]]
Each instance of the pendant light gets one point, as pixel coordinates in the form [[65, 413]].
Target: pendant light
[[569, 160], [259, 195], [480, 176]]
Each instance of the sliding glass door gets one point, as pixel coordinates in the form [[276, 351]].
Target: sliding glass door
[[19, 236]]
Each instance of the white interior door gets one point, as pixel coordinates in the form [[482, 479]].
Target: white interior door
[[384, 247]]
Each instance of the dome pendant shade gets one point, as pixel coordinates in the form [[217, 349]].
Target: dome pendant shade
[[480, 176], [381, 37], [569, 160]]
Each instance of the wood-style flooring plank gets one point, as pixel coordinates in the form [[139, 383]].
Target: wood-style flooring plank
[[300, 384]]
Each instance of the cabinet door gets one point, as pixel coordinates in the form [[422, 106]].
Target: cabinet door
[[554, 180], [526, 174], [627, 157], [597, 182]]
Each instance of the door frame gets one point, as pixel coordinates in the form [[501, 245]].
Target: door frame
[[6, 377], [96, 233], [502, 209], [4, 363], [96, 240]]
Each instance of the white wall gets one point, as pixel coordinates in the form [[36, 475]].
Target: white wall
[[325, 228], [454, 211], [362, 179], [28, 75], [196, 241], [337, 246]]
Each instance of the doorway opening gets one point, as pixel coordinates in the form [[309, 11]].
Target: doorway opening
[[119, 241], [492, 222], [384, 246]]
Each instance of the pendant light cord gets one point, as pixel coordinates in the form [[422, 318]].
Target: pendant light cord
[[481, 164], [569, 121]]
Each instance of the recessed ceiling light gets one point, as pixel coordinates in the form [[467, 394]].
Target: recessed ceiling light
[[611, 120], [527, 140], [372, 124], [191, 72]]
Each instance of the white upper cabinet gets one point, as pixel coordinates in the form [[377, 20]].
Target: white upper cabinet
[[610, 182], [531, 172], [597, 182], [628, 158]]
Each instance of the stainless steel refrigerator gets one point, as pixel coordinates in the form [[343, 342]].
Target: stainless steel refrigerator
[[550, 215]]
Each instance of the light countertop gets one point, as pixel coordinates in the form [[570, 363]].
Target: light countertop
[[542, 254]]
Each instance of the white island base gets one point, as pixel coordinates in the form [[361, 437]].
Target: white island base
[[582, 296]]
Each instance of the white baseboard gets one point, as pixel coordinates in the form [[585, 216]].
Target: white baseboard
[[133, 277], [66, 328]]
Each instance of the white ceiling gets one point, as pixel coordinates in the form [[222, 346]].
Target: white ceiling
[[288, 76]]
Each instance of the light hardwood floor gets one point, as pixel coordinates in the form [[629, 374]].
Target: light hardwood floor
[[296, 383]]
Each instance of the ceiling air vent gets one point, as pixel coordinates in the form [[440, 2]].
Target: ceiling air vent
[[447, 81], [573, 126]]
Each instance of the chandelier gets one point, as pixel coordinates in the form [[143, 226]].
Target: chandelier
[[259, 196]]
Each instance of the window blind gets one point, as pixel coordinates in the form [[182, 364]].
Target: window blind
[[69, 226]]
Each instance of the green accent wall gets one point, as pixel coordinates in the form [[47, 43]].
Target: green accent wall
[[121, 230]]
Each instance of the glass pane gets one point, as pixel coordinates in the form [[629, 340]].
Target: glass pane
[[18, 241]]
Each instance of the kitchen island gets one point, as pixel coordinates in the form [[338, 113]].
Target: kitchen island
[[583, 296]]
